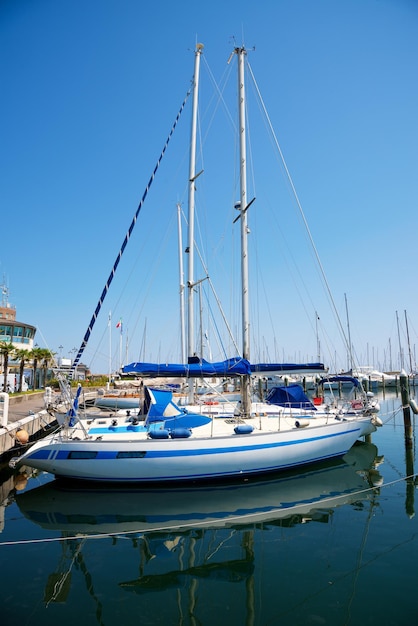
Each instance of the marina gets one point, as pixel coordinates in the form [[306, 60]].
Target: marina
[[236, 455], [302, 547]]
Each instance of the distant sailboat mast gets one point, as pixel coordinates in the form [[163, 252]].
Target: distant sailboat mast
[[409, 344], [318, 342], [350, 347], [400, 343]]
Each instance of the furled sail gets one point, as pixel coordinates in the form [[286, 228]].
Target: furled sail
[[201, 369], [288, 368]]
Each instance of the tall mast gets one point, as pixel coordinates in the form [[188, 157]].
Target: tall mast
[[181, 276], [192, 177], [246, 396]]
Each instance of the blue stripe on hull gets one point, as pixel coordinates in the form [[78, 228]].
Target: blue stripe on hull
[[156, 461], [170, 453]]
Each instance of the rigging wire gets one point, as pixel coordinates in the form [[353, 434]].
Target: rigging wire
[[125, 241], [299, 205]]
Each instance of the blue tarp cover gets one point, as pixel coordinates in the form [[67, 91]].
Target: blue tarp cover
[[258, 368], [235, 366], [203, 369], [340, 379], [291, 396]]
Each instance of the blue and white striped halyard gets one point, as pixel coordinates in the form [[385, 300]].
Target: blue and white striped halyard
[[125, 241]]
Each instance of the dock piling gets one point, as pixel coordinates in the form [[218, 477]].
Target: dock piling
[[403, 380]]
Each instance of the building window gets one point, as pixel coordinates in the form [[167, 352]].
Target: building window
[[5, 333]]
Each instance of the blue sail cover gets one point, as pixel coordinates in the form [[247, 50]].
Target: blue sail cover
[[202, 369], [283, 368], [291, 396]]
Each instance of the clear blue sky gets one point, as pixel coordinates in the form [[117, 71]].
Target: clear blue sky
[[90, 90]]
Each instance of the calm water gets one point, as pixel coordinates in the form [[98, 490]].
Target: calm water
[[336, 544]]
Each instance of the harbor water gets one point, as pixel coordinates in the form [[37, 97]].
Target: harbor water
[[332, 544]]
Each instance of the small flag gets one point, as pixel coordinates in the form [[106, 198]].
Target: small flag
[[119, 325]]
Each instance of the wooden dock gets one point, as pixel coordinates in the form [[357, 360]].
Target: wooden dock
[[25, 413]]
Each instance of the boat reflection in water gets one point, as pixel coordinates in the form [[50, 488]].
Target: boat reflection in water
[[297, 495], [186, 534]]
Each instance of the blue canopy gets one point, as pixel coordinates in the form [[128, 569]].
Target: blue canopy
[[282, 368], [291, 396], [340, 379], [160, 407], [202, 369]]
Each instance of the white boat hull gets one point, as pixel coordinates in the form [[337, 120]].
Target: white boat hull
[[143, 460]]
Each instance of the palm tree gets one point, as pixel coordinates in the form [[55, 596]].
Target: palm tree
[[23, 356], [6, 349], [36, 355], [47, 358]]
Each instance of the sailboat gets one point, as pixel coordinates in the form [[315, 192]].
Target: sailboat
[[71, 509], [172, 444], [185, 539]]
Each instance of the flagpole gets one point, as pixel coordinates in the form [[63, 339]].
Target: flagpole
[[120, 326], [120, 348], [110, 348]]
